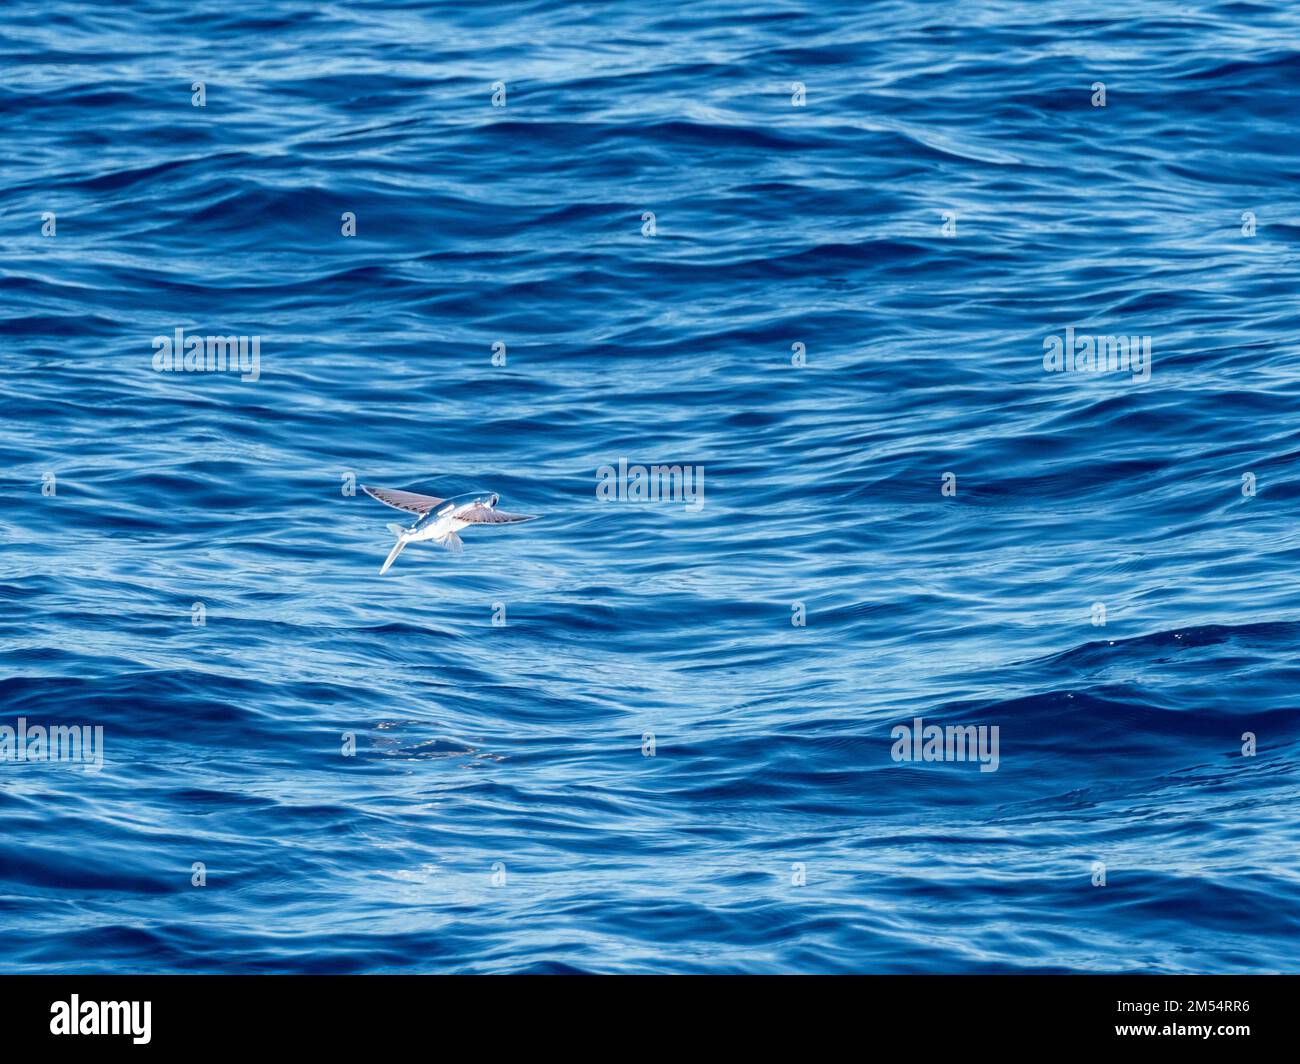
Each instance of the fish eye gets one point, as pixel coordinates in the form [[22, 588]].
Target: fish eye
[[492, 501]]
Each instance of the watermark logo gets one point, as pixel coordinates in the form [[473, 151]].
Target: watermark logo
[[1085, 353], [102, 1017], [179, 353], [76, 744], [656, 483], [929, 742]]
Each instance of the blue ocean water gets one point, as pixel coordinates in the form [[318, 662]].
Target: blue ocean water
[[816, 251]]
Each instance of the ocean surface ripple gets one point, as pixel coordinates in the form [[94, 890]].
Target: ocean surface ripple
[[909, 198]]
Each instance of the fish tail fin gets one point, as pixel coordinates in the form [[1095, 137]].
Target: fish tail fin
[[395, 529], [392, 555]]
